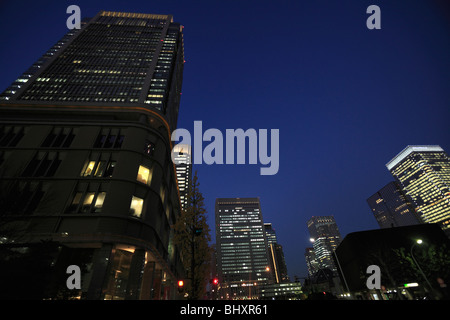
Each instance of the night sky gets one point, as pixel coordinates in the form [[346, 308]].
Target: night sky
[[345, 99]]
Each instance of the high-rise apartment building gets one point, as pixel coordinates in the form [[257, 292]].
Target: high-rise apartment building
[[325, 236], [423, 172], [85, 156], [391, 207], [242, 255]]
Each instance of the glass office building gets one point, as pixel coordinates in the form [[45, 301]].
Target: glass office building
[[392, 208], [242, 255], [85, 158], [325, 236], [423, 172]]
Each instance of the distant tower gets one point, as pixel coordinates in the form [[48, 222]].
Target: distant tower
[[311, 261], [182, 161], [276, 256], [242, 255], [392, 208], [326, 237]]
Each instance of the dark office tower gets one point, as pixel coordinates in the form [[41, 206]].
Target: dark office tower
[[278, 263], [325, 237], [276, 256], [311, 262], [85, 153], [242, 256], [392, 208], [423, 172], [182, 159], [270, 233]]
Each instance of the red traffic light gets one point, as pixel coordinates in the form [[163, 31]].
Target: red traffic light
[[215, 281], [180, 283]]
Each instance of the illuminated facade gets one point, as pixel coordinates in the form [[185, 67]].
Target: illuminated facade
[[242, 255], [424, 174], [325, 236], [182, 160], [392, 208], [85, 156]]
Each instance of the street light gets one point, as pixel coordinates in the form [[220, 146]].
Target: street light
[[419, 241]]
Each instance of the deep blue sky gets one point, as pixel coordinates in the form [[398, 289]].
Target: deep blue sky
[[345, 99]]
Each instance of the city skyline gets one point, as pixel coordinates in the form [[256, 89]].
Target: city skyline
[[343, 97]]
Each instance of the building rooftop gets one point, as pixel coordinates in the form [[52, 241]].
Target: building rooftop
[[410, 149]]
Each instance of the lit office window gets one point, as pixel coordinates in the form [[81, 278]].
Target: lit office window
[[89, 168], [136, 206], [88, 198], [86, 202], [144, 175], [99, 202], [101, 168]]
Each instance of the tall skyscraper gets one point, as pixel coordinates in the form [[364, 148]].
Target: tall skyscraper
[[423, 172], [182, 160], [276, 256], [311, 262], [85, 156], [270, 233], [325, 236], [242, 257], [392, 208]]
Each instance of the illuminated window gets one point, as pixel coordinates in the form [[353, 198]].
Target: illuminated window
[[99, 202], [144, 175], [101, 168], [136, 206], [89, 168], [86, 202], [88, 198]]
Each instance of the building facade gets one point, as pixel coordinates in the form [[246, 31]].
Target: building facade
[[423, 172], [391, 207], [181, 154], [85, 156], [325, 236], [276, 256], [242, 255], [311, 262]]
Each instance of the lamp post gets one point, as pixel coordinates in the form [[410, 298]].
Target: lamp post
[[419, 241]]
